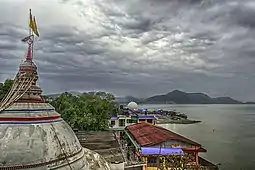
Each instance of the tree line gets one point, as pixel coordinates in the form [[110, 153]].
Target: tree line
[[89, 111], [5, 87]]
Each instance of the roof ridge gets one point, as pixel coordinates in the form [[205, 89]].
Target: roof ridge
[[165, 131]]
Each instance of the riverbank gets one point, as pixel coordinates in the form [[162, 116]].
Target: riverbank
[[181, 121]]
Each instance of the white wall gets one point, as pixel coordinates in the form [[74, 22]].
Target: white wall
[[119, 166]]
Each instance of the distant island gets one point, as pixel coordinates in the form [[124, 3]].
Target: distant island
[[180, 97]]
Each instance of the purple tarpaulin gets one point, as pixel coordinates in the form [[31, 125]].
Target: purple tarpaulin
[[147, 117], [114, 118], [139, 117], [161, 151]]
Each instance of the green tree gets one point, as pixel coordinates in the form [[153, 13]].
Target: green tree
[[90, 111], [5, 87]]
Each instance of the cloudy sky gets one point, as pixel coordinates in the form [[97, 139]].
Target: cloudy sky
[[135, 47]]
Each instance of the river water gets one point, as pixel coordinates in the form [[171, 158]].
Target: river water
[[226, 131]]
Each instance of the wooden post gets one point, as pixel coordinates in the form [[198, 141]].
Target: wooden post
[[197, 163]]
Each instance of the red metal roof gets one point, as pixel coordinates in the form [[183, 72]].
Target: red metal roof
[[147, 134]]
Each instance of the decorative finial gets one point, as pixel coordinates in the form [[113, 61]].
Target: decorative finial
[[33, 30]]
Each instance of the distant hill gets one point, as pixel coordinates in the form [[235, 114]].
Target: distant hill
[[180, 97], [174, 97], [128, 99], [53, 96]]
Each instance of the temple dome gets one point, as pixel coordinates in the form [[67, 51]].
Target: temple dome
[[132, 105], [34, 135]]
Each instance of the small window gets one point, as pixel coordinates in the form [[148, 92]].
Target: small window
[[131, 121], [112, 122], [122, 122], [152, 162], [149, 121]]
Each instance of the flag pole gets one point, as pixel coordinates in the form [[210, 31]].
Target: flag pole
[[31, 34], [33, 40], [29, 20], [32, 30], [33, 48]]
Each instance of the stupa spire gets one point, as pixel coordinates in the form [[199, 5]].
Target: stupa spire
[[29, 53], [24, 88]]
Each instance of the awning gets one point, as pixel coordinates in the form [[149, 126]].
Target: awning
[[161, 151], [114, 118]]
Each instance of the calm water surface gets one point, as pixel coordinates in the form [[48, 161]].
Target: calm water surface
[[232, 143]]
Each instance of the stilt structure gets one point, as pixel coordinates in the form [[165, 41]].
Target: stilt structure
[[32, 134]]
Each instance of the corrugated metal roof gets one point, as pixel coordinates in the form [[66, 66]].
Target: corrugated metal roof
[[149, 135]]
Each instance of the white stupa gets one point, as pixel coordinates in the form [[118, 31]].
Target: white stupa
[[32, 133], [132, 105]]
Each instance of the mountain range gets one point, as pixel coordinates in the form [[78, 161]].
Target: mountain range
[[180, 97], [174, 97]]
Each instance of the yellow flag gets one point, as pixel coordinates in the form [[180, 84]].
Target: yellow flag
[[32, 24], [35, 28]]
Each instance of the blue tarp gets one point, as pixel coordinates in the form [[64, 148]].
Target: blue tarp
[[139, 117], [147, 117], [113, 117], [161, 151]]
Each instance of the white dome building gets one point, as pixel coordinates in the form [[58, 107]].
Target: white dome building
[[133, 105]]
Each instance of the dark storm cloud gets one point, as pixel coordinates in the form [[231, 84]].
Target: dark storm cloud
[[12, 31], [244, 16], [140, 47]]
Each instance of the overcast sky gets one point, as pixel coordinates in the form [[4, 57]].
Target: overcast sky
[[135, 47]]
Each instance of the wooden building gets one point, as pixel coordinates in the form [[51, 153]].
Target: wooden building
[[161, 148]]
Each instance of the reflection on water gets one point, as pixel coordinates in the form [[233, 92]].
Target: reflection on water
[[226, 131]]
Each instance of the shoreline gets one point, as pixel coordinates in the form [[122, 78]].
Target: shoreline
[[170, 121]]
